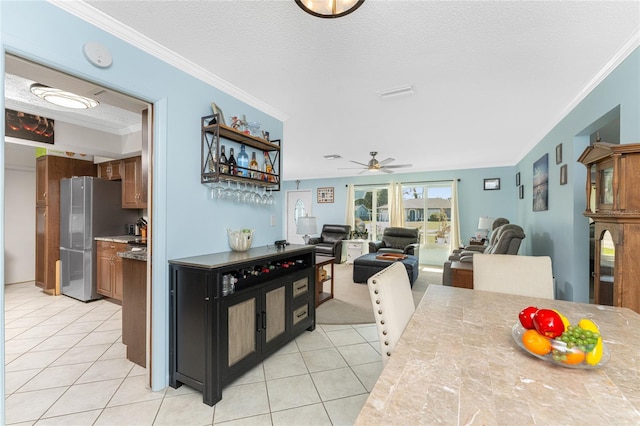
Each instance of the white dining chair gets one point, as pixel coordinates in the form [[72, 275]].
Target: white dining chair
[[392, 303], [513, 274]]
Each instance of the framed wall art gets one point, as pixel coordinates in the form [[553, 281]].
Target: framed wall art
[[563, 175], [541, 184], [492, 184], [559, 153], [325, 195]]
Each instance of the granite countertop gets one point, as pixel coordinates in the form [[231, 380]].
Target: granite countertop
[[134, 254], [126, 239], [457, 363], [216, 260]]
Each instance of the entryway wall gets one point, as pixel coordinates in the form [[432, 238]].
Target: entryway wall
[[20, 214]]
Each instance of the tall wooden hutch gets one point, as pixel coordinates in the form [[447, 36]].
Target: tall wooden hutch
[[613, 203]]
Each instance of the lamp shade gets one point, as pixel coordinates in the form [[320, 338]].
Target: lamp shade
[[306, 225], [485, 223]]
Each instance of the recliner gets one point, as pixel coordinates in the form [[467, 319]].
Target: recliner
[[506, 240], [397, 240], [329, 243]]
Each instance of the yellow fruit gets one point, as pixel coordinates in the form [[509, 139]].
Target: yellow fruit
[[564, 319], [587, 324], [594, 357]]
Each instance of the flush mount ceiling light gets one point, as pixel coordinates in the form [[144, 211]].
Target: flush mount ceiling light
[[329, 8], [62, 98], [396, 91]]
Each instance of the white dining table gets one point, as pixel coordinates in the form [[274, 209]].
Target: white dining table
[[458, 364]]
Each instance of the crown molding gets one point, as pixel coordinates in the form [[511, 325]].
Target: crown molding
[[105, 22]]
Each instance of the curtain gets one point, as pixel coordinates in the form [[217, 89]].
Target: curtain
[[396, 205], [454, 232], [350, 210]]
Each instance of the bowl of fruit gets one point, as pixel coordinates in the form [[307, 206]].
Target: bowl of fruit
[[548, 335]]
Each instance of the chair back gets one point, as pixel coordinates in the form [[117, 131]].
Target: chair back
[[511, 274], [392, 302], [399, 238], [507, 239], [333, 233]]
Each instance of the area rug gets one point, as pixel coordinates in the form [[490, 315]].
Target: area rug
[[351, 303]]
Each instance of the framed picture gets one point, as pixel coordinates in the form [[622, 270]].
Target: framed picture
[[518, 179], [325, 195], [18, 124], [216, 110], [521, 192], [491, 184], [563, 175], [559, 153], [541, 184]]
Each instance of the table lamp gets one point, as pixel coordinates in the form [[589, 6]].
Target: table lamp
[[484, 225], [306, 225]]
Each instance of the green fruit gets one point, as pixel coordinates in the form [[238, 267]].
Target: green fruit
[[594, 357]]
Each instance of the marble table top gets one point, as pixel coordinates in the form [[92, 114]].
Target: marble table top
[[457, 364]]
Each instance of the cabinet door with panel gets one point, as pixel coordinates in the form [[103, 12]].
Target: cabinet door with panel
[[109, 269], [134, 194], [111, 170]]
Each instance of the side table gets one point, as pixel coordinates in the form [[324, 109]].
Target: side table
[[462, 274], [353, 249], [323, 276]]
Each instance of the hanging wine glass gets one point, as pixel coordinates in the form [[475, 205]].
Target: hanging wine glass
[[228, 192], [218, 191], [246, 194], [237, 193], [256, 198], [265, 197], [272, 201]]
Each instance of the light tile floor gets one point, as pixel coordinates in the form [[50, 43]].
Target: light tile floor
[[66, 365]]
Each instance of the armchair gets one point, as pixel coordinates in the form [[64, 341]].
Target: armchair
[[397, 240], [330, 241]]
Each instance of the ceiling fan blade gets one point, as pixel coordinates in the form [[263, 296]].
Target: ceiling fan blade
[[385, 170], [352, 168], [364, 171], [397, 166], [388, 160], [362, 164]]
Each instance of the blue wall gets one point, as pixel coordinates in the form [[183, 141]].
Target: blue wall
[[474, 200]]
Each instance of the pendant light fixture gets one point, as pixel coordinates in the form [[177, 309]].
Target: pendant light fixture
[[62, 98], [329, 8]]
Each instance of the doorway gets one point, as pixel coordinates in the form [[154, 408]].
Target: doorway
[[108, 134]]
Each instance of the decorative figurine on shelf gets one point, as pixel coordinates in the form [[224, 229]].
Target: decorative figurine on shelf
[[235, 122], [265, 135]]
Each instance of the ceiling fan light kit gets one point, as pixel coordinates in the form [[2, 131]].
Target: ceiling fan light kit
[[329, 8], [374, 165]]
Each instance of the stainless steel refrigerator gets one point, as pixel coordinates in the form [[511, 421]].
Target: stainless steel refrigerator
[[89, 208]]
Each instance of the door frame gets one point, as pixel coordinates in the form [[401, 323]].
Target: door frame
[[289, 231]]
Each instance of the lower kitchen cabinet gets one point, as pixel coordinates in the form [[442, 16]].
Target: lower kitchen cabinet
[[109, 269], [215, 335]]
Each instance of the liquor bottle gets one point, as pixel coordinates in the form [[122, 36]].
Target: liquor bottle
[[212, 161], [224, 164], [243, 162], [254, 166], [233, 170], [268, 169]]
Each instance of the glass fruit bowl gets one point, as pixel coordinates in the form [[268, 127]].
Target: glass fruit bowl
[[240, 240], [564, 356]]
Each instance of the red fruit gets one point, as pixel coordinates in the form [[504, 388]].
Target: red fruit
[[548, 323], [526, 317]]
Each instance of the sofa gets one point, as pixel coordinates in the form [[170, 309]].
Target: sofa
[[329, 243]]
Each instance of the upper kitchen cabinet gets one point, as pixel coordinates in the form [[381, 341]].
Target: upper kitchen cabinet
[[110, 170], [134, 185]]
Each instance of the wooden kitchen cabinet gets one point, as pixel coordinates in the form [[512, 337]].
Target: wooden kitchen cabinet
[[134, 310], [109, 269], [110, 170], [50, 170], [134, 185], [215, 337]]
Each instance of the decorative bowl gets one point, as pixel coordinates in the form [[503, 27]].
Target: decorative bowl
[[241, 239], [517, 331]]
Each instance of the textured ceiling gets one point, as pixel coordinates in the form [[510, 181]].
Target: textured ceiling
[[491, 78]]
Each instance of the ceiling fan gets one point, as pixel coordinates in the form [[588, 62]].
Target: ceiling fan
[[374, 165]]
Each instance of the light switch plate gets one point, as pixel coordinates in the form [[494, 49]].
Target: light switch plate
[[97, 54]]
